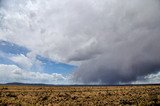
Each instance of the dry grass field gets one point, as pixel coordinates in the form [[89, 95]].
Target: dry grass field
[[79, 95]]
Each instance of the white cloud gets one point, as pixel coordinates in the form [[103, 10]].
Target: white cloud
[[111, 38], [12, 73], [153, 78], [44, 27], [22, 61], [149, 79], [27, 62]]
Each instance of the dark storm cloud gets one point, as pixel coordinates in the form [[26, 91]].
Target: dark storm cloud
[[128, 45]]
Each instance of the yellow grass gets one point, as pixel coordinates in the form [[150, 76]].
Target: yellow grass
[[79, 95]]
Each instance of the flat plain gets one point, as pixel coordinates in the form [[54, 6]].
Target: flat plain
[[148, 95]]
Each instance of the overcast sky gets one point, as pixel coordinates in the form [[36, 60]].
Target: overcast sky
[[80, 41]]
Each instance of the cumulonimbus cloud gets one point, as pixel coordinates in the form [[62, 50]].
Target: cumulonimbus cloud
[[114, 41], [130, 45]]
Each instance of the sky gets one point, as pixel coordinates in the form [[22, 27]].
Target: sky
[[80, 41]]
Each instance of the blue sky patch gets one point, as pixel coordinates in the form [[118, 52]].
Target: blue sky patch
[[4, 60], [11, 48], [55, 67], [48, 66]]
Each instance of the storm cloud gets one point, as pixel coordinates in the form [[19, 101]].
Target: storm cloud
[[128, 38], [110, 41]]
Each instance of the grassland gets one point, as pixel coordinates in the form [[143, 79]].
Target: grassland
[[79, 95]]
